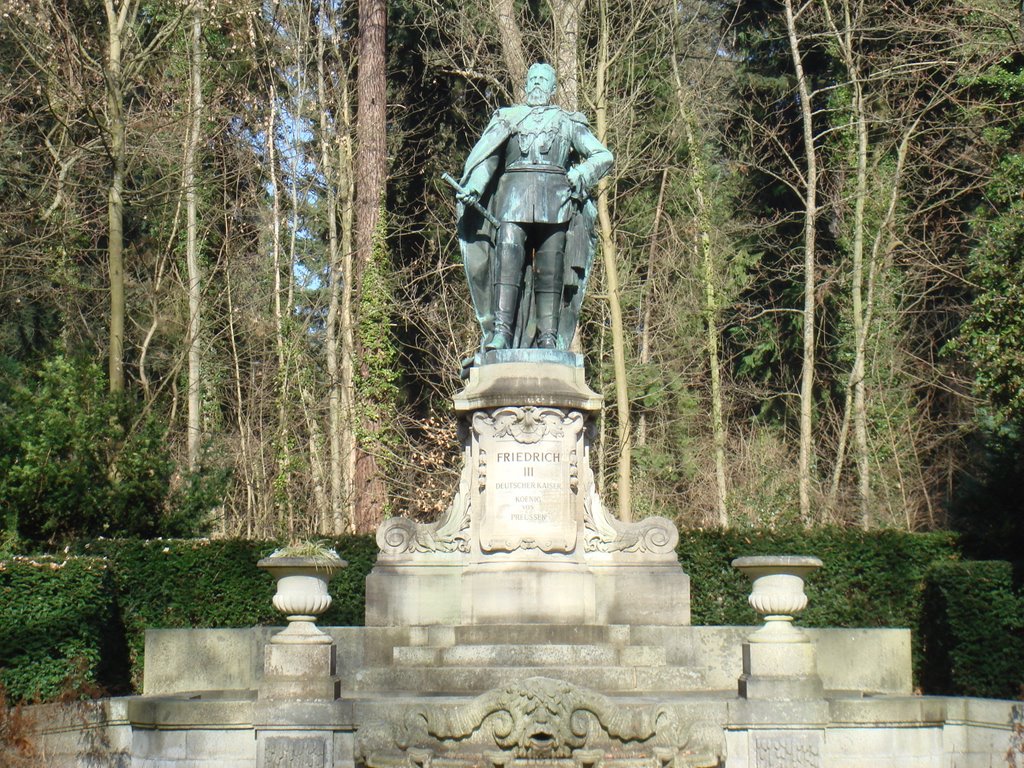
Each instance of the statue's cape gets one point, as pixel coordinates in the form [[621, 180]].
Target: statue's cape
[[477, 238]]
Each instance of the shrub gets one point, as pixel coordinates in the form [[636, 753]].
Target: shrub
[[67, 622], [972, 630], [172, 583], [868, 578], [60, 634], [76, 461]]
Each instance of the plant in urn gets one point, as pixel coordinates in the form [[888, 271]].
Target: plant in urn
[[302, 572]]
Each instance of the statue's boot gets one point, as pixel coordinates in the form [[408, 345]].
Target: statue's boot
[[511, 253], [547, 319], [507, 299], [548, 294]]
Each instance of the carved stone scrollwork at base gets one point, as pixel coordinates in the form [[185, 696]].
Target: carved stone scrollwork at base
[[450, 533], [540, 719], [603, 533]]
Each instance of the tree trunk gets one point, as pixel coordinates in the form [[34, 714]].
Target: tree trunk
[[860, 417], [810, 183], [240, 410], [192, 247], [702, 221], [282, 490], [609, 254], [328, 138], [647, 298], [115, 191], [565, 20], [336, 157], [698, 176], [512, 50], [346, 321], [371, 173], [346, 187], [317, 476]]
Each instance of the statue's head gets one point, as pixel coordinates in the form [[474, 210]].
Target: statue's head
[[540, 84]]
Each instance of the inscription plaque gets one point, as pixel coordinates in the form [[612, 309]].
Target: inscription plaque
[[787, 750], [526, 458], [292, 752]]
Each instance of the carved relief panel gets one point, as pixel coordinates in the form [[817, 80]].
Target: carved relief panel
[[540, 723], [787, 750], [294, 752], [527, 491]]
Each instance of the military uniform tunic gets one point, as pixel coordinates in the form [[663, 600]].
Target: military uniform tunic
[[541, 145]]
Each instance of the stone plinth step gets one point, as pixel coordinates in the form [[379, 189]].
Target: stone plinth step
[[540, 634], [507, 655], [533, 655], [642, 656], [475, 680]]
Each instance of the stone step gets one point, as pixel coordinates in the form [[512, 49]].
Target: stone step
[[642, 656], [540, 634], [476, 680], [535, 655], [507, 655]]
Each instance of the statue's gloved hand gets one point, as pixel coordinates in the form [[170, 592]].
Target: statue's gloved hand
[[469, 195], [578, 184]]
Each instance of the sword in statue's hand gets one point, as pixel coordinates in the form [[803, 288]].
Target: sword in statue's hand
[[466, 197]]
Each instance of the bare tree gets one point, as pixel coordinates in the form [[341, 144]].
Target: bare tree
[[809, 193], [336, 159], [119, 66], [371, 166], [609, 254], [702, 228], [192, 241]]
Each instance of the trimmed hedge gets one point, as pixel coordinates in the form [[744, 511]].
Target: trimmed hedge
[[972, 630], [118, 588], [172, 583], [868, 578], [60, 632]]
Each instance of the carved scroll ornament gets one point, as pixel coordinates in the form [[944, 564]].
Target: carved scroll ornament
[[450, 533], [603, 533], [526, 425], [540, 719]]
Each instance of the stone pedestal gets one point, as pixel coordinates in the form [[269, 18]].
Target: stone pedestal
[[529, 592], [779, 660], [305, 672], [784, 671], [526, 539]]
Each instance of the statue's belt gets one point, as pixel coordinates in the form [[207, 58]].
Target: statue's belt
[[535, 168]]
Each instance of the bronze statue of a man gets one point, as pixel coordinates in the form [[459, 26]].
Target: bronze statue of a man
[[526, 219]]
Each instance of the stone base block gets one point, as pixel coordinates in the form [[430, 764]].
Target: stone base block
[[533, 377], [780, 688], [413, 594], [644, 594], [780, 671], [299, 672], [528, 593]]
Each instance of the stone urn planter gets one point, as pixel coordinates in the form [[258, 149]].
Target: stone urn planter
[[777, 594], [302, 592]]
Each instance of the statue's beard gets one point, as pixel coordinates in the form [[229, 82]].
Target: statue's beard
[[538, 97]]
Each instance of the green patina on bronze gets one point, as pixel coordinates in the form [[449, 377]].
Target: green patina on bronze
[[526, 219]]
